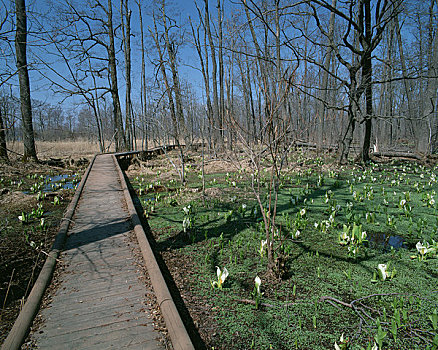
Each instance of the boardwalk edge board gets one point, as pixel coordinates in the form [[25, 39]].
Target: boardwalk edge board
[[175, 326], [22, 324]]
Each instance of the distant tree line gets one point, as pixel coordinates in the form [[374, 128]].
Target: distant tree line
[[347, 75]]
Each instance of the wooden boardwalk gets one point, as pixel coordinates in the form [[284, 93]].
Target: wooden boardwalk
[[100, 303]]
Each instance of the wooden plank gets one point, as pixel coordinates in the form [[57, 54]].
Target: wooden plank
[[100, 303]]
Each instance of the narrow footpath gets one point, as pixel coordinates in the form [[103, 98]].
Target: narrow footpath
[[101, 302]]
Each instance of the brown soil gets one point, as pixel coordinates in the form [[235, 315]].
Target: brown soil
[[200, 309]]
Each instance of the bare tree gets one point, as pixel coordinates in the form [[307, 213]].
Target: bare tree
[[171, 48], [26, 108], [118, 122], [358, 31], [175, 133]]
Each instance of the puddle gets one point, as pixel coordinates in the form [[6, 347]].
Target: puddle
[[148, 199], [56, 182], [377, 240], [52, 183]]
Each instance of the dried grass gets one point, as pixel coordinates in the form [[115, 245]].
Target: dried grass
[[60, 149]]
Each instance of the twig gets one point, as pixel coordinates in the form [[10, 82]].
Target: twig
[[48, 255], [252, 302], [30, 282], [7, 292], [4, 227], [11, 151], [326, 297]]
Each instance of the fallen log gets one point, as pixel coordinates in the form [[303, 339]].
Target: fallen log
[[393, 154]]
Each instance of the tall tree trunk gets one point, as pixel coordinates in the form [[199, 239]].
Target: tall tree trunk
[[143, 79], [431, 104], [354, 96], [23, 76], [251, 101], [230, 104], [406, 81], [263, 74], [205, 74], [171, 50], [321, 111], [245, 92], [216, 115], [118, 122], [366, 78], [166, 85], [221, 71], [3, 149], [94, 103], [125, 13]]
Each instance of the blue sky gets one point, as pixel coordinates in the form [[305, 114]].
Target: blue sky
[[180, 10]]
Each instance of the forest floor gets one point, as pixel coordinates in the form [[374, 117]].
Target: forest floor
[[335, 227], [33, 198]]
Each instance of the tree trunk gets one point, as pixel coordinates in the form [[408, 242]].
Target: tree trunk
[[245, 99], [321, 112], [143, 80], [251, 101], [125, 13], [406, 81], [118, 122], [430, 112], [3, 149], [166, 84], [175, 77], [205, 74], [216, 117], [366, 78], [94, 104], [354, 96], [221, 71], [23, 76]]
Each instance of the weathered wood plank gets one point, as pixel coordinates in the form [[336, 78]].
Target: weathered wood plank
[[100, 302]]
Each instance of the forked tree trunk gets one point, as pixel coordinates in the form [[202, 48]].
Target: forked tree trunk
[[23, 76]]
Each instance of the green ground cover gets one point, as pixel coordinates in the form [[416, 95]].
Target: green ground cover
[[356, 255]]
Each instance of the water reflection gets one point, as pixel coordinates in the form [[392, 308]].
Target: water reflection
[[377, 239]]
